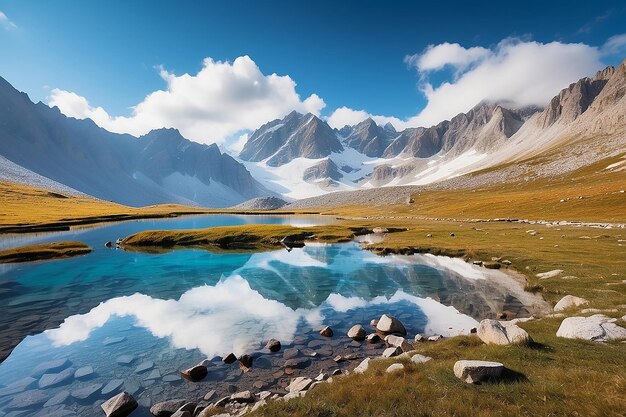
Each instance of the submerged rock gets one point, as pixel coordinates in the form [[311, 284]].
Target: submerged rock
[[119, 406], [195, 373], [87, 392], [84, 372], [273, 345], [502, 333], [390, 324], [327, 332], [477, 371], [53, 380]]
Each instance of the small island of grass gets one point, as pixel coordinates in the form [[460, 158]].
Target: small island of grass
[[44, 251]]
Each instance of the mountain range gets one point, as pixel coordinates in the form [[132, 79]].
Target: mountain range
[[300, 155]]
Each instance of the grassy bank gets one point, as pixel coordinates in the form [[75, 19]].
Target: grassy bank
[[44, 251]]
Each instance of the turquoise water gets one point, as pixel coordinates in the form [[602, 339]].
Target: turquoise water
[[120, 312]]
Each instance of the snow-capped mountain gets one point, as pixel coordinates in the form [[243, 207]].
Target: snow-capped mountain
[[160, 167]]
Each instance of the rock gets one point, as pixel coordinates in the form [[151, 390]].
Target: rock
[[327, 332], [550, 274], [399, 342], [188, 407], [108, 244], [210, 394], [119, 406], [83, 372], [417, 358], [50, 367], [419, 338], [362, 367], [113, 340], [491, 265], [506, 262], [297, 363], [379, 230], [242, 397], [144, 366], [125, 359], [502, 333], [597, 328], [54, 380], [299, 384], [273, 345], [452, 235], [290, 353], [390, 324], [112, 386], [18, 386], [435, 338], [569, 301], [391, 351], [477, 263], [357, 332], [429, 235], [166, 408], [321, 377], [87, 392], [182, 414], [245, 362], [230, 358], [373, 338], [394, 368], [373, 323], [28, 399], [477, 371], [154, 374], [195, 373], [172, 378]]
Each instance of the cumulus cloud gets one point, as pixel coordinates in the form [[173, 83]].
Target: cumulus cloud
[[6, 23], [346, 116], [222, 99], [516, 72]]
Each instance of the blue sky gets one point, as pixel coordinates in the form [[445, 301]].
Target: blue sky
[[349, 53]]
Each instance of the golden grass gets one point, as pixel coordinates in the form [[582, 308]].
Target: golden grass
[[44, 251], [553, 377]]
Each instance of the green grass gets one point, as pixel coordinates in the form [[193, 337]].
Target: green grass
[[44, 251]]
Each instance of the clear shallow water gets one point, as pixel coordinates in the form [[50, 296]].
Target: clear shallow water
[[123, 311]]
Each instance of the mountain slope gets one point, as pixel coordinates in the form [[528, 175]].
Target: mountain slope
[[114, 167]]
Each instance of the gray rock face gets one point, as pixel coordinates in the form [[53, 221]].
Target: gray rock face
[[324, 169], [261, 203], [597, 328], [390, 324], [368, 138], [502, 333], [477, 371], [119, 406], [297, 135]]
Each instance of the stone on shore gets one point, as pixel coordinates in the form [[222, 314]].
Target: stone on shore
[[502, 333], [417, 358], [242, 397], [119, 406], [597, 328], [273, 345], [166, 408], [390, 324], [362, 367], [550, 274], [569, 301], [357, 332], [299, 384], [195, 373], [399, 342], [373, 338], [394, 368], [230, 358], [327, 332], [477, 371], [391, 352], [245, 362]]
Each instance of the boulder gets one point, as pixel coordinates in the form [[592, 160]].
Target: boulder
[[230, 358], [108, 244], [419, 338], [362, 367], [502, 333], [379, 230], [273, 345], [166, 408], [569, 301], [195, 373], [119, 406], [435, 338], [242, 397], [399, 342], [327, 332], [477, 371], [597, 328], [390, 324], [373, 338], [245, 362], [391, 352], [299, 384], [394, 368], [417, 358], [357, 332]]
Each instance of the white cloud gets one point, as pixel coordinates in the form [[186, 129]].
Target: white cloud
[[436, 57], [519, 73], [6, 23], [346, 116], [615, 45], [222, 99]]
